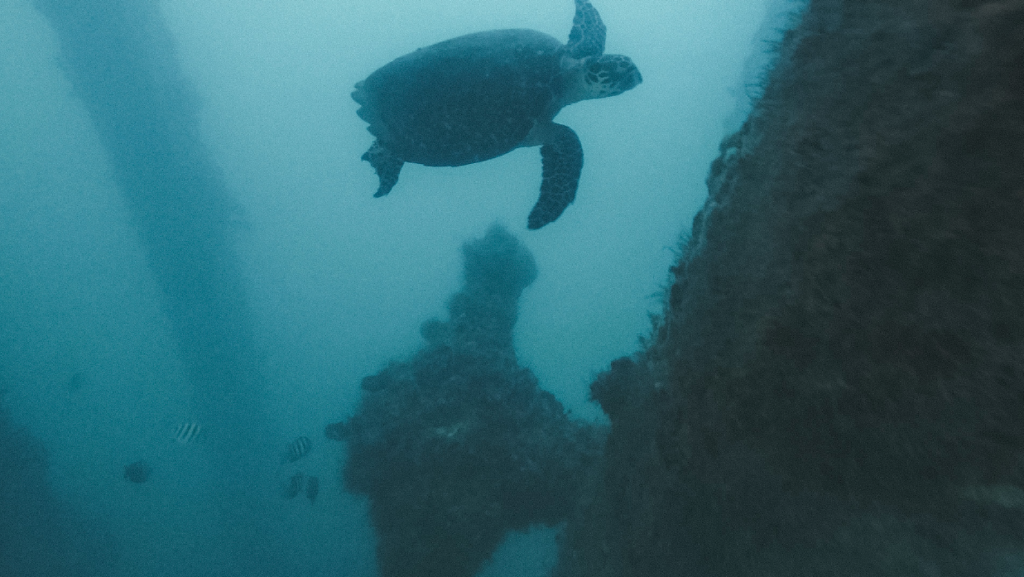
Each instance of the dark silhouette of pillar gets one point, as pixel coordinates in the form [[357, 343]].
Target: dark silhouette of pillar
[[120, 59]]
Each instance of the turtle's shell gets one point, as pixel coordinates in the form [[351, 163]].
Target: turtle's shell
[[466, 99]]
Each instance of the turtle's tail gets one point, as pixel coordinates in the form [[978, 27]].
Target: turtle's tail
[[386, 164]]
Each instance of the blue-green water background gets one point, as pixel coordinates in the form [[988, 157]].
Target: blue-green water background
[[338, 281]]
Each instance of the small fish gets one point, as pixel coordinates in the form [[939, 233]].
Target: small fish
[[185, 433], [312, 489], [137, 472], [296, 450], [77, 382], [292, 486]]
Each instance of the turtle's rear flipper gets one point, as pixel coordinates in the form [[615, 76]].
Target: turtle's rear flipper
[[562, 159], [386, 164]]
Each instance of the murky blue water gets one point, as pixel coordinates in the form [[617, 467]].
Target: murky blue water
[[289, 267]]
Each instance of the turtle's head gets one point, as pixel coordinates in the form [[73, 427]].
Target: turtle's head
[[607, 75]]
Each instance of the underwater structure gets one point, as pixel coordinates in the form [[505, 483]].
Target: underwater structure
[[458, 445], [837, 383], [120, 59]]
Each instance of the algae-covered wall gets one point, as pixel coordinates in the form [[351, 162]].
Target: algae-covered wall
[[836, 387]]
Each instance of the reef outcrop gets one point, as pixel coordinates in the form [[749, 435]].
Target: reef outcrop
[[837, 383], [458, 445]]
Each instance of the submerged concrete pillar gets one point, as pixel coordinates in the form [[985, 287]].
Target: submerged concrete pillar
[[120, 59]]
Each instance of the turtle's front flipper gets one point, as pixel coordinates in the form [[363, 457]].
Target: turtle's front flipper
[[386, 164], [587, 35], [562, 159]]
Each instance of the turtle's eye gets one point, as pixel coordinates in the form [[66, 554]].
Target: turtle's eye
[[594, 68]]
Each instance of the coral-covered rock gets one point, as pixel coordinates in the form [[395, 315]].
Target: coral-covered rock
[[459, 445], [837, 386]]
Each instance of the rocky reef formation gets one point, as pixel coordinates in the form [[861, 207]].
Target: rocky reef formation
[[40, 535], [458, 445], [836, 387]]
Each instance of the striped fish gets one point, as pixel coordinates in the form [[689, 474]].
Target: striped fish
[[296, 450], [185, 433], [292, 486]]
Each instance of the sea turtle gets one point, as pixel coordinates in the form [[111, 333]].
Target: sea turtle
[[478, 96]]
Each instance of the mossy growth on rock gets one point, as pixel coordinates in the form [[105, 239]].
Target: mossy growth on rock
[[458, 445], [836, 387]]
